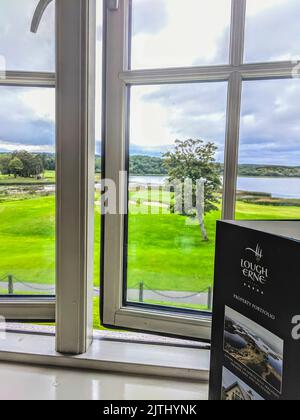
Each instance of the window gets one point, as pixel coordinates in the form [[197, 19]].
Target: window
[[168, 261], [47, 159], [237, 90], [27, 163], [165, 102]]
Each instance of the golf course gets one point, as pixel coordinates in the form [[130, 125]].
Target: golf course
[[166, 251]]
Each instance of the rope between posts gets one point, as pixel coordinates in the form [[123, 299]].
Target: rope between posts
[[165, 295]]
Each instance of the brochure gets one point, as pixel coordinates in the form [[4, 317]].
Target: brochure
[[256, 312]]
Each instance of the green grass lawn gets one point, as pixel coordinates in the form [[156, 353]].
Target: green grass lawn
[[27, 240], [47, 178], [166, 251]]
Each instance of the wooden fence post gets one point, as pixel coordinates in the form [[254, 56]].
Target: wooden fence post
[[210, 298], [10, 284], [141, 292]]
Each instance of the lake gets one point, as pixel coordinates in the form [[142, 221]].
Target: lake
[[277, 187]]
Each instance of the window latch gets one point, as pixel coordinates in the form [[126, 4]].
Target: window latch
[[113, 5], [38, 14]]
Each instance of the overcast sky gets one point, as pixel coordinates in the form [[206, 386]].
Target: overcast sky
[[168, 33]]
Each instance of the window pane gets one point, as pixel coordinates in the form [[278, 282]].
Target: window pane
[[27, 191], [176, 33], [263, 43], [169, 262], [269, 172], [21, 49]]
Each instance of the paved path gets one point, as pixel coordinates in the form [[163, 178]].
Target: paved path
[[133, 294]]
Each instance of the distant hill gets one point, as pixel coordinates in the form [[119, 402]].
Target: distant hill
[[146, 165], [269, 171], [149, 151], [151, 165], [145, 162]]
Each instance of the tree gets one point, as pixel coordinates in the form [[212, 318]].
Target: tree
[[16, 167], [4, 164], [48, 160], [32, 164], [195, 160]]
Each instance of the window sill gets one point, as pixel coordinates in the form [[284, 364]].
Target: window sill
[[110, 355]]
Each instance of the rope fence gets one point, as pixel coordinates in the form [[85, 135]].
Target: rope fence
[[12, 281], [142, 290]]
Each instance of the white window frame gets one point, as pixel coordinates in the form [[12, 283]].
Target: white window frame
[[118, 79], [39, 308], [74, 80]]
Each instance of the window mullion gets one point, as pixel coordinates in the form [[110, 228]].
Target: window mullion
[[115, 156], [258, 71], [237, 33], [237, 40], [75, 173], [232, 145], [181, 75], [28, 79], [28, 309]]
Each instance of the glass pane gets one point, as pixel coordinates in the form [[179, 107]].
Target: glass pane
[[170, 261], [263, 43], [269, 170], [176, 33], [21, 49], [27, 191]]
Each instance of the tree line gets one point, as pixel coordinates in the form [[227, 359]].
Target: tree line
[[25, 164], [147, 165]]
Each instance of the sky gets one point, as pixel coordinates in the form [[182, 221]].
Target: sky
[[167, 33]]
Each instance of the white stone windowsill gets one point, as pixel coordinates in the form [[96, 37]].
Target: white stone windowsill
[[111, 352]]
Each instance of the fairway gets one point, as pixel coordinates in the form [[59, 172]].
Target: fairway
[[27, 246], [166, 251]]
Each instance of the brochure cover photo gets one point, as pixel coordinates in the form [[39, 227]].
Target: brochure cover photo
[[254, 347]]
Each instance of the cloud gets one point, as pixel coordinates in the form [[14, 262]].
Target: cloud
[[27, 117], [148, 16], [181, 33], [162, 114], [272, 30], [169, 32], [270, 120], [270, 125], [27, 114], [22, 49]]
